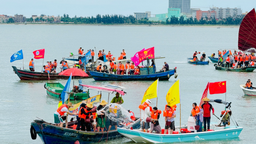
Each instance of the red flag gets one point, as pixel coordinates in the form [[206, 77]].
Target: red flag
[[147, 53], [217, 87], [204, 94], [38, 54]]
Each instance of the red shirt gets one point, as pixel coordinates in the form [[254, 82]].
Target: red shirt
[[207, 109]]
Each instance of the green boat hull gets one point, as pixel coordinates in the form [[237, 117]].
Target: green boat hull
[[55, 89], [246, 69]]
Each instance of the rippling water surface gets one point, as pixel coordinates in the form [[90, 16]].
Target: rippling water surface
[[23, 101]]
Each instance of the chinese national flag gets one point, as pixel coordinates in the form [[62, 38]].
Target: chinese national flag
[[217, 87], [38, 54]]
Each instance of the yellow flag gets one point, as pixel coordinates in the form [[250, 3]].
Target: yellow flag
[[173, 95], [151, 92], [89, 100]]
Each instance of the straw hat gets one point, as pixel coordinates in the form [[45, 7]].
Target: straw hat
[[89, 105], [205, 99], [69, 104], [103, 102], [148, 101]]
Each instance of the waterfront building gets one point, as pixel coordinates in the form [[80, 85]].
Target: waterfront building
[[142, 15], [162, 17], [222, 13], [183, 5], [205, 14], [19, 18]]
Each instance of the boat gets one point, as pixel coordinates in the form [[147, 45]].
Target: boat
[[142, 137], [190, 61], [51, 133], [248, 92], [99, 76], [244, 69], [30, 75], [213, 59], [55, 88]]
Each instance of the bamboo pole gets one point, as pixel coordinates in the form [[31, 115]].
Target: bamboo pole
[[180, 116], [108, 97], [23, 63]]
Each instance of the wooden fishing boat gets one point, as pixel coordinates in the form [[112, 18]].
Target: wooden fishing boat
[[190, 61], [98, 76], [142, 137], [55, 88], [50, 133], [248, 92], [244, 69], [30, 75], [213, 59]]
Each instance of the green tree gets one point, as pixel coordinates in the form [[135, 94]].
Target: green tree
[[10, 20]]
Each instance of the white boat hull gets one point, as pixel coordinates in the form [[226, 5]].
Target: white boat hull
[[248, 92]]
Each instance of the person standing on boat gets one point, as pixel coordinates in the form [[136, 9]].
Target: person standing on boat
[[92, 54], [169, 115], [145, 111], [228, 61], [111, 66], [121, 68], [207, 107], [88, 117], [166, 67], [81, 117], [248, 84], [115, 68], [132, 66], [153, 65], [113, 115], [60, 112], [197, 112], [246, 62], [155, 115], [195, 53], [220, 61], [54, 67], [117, 99], [101, 119], [123, 54], [100, 55], [80, 51], [31, 65], [127, 68]]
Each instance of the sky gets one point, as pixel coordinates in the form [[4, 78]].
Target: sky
[[94, 7]]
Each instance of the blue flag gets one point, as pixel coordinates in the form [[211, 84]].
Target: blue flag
[[225, 55], [64, 94], [17, 56], [86, 57]]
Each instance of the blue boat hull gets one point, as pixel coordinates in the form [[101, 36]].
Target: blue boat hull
[[213, 59], [190, 60], [98, 76], [142, 137]]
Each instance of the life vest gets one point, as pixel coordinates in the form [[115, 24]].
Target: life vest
[[127, 66], [47, 69], [82, 116], [167, 113], [230, 52], [252, 63], [112, 65], [137, 70], [249, 84], [228, 60], [98, 68], [155, 115], [235, 57], [88, 114], [123, 54], [100, 54], [240, 59], [144, 106], [54, 64], [80, 52], [47, 66], [31, 63], [80, 62], [234, 64], [121, 67], [115, 66], [94, 115], [220, 53], [195, 111], [133, 116], [132, 66], [121, 57], [66, 65], [109, 55], [59, 109], [92, 53], [194, 59], [246, 58]]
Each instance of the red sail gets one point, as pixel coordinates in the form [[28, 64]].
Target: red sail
[[247, 32]]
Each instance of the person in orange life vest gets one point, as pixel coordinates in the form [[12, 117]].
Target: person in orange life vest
[[127, 68], [121, 68], [145, 111], [60, 112], [248, 84], [252, 64], [240, 61], [197, 112], [46, 69], [81, 63], [219, 53], [81, 117], [111, 66], [115, 68], [246, 62], [235, 58], [228, 61], [155, 115], [80, 51], [137, 71], [120, 57], [132, 116], [92, 54], [109, 56], [101, 119], [207, 107], [31, 65], [123, 54], [195, 58], [98, 69], [100, 55], [88, 117], [169, 114], [64, 65], [132, 66]]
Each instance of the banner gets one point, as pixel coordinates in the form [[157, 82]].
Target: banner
[[39, 54], [89, 100], [217, 87], [136, 58], [17, 56], [151, 92], [147, 53], [64, 94], [173, 95], [204, 94]]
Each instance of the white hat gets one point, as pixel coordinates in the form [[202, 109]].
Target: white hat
[[148, 101]]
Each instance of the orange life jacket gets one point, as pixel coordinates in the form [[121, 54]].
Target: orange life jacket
[[195, 111], [100, 54], [234, 64], [144, 106], [121, 67], [80, 62], [228, 60], [132, 66], [92, 53], [121, 57], [112, 65], [94, 115], [137, 70], [31, 63], [249, 84], [240, 59], [194, 59], [89, 115], [127, 66], [80, 52], [59, 109], [167, 113], [235, 57], [83, 116], [252, 63], [98, 68], [246, 58], [133, 116], [155, 115], [54, 64], [47, 69], [220, 53], [115, 66], [123, 54]]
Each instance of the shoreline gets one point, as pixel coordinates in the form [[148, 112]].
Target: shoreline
[[151, 25]]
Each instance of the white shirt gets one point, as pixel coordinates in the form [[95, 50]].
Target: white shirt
[[114, 108], [64, 109], [145, 113]]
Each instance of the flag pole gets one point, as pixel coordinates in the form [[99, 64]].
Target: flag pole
[[180, 116], [43, 65], [23, 63]]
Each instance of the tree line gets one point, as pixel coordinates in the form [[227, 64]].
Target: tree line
[[119, 19]]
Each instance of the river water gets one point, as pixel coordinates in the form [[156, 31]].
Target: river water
[[23, 101]]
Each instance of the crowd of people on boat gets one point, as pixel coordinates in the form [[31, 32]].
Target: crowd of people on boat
[[202, 58], [236, 59]]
